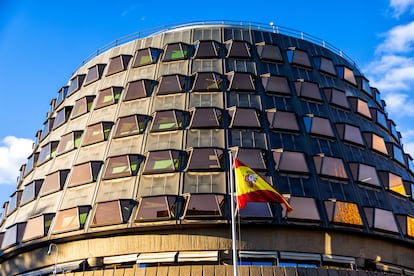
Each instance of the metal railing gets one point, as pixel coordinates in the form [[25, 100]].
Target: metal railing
[[223, 23]]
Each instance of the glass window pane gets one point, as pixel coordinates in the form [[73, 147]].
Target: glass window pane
[[167, 120], [62, 116], [275, 84], [378, 144], [94, 73], [330, 166], [69, 142], [159, 184], [97, 133], [155, 208], [240, 81], [70, 219], [171, 84], [138, 89], [122, 166], [205, 182], [118, 64], [112, 212], [282, 120], [298, 57], [84, 173], [37, 227], [244, 117], [75, 84], [131, 125], [145, 57], [365, 174], [207, 49], [308, 90], [325, 65], [256, 209], [305, 209], [289, 161], [336, 97], [318, 126], [253, 158], [82, 106], [108, 97], [238, 49], [205, 159], [206, 117], [205, 206], [176, 51], [162, 161], [343, 212], [352, 134], [54, 182], [207, 81], [363, 109], [269, 52]]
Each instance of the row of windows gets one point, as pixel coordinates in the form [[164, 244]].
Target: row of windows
[[202, 206]]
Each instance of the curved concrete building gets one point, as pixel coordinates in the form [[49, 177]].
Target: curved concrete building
[[130, 172]]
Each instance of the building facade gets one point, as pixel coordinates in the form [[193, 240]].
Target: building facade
[[130, 172]]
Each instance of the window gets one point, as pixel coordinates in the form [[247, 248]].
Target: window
[[171, 84], [47, 152], [256, 210], [237, 49], [14, 201], [13, 235], [131, 125], [164, 140], [163, 161], [167, 120], [241, 81], [365, 174], [375, 142], [290, 161], [205, 138], [305, 209], [156, 208], [176, 51], [318, 126], [282, 120], [31, 163], [97, 133], [336, 97], [349, 133], [247, 138], [159, 184], [330, 166], [207, 49], [138, 89], [61, 96], [62, 116], [205, 182], [94, 73], [204, 206], [269, 52], [244, 117], [122, 166], [47, 127], [85, 173], [325, 65], [82, 106], [71, 219], [38, 227], [206, 118], [76, 84], [395, 152], [31, 191], [298, 57], [244, 99], [146, 56], [118, 64], [380, 219], [308, 90], [343, 212], [377, 96], [393, 182], [108, 96], [253, 158], [393, 130], [275, 84], [205, 159], [346, 74], [207, 81], [361, 107], [113, 212], [407, 225], [363, 84], [69, 142], [54, 182]]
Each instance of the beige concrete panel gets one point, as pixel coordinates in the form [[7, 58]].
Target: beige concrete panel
[[164, 140], [78, 196], [48, 204], [145, 72], [117, 79], [64, 161], [78, 123], [174, 101], [24, 212], [124, 49], [162, 271], [151, 271], [126, 145], [90, 89], [10, 220], [116, 188], [174, 271], [181, 36], [178, 67], [140, 106], [91, 153], [42, 170], [105, 114], [154, 41]]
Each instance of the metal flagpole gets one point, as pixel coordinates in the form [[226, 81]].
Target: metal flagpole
[[233, 219]]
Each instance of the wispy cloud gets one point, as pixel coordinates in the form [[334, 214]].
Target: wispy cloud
[[401, 6], [13, 153]]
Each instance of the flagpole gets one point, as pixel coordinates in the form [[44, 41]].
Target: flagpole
[[233, 219]]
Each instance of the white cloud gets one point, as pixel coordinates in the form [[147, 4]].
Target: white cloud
[[13, 153], [399, 39], [401, 6]]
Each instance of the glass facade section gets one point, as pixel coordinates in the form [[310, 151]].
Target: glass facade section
[[31, 191], [282, 120], [347, 74], [318, 126], [112, 212], [336, 97], [349, 133], [244, 117], [94, 73], [176, 51], [37, 227], [325, 65], [85, 173], [108, 97], [82, 106], [163, 161], [171, 84], [380, 219], [69, 142], [167, 120], [393, 182], [76, 84], [238, 49], [146, 56], [205, 159], [97, 133], [118, 64], [343, 213], [62, 116], [298, 57], [122, 166], [156, 208], [275, 84], [240, 81], [206, 118], [290, 162], [138, 89], [71, 219], [207, 49], [269, 52], [47, 152], [61, 96], [131, 125], [54, 182], [207, 81], [308, 90], [204, 206], [365, 174], [330, 166]]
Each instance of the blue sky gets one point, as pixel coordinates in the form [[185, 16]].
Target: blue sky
[[42, 43]]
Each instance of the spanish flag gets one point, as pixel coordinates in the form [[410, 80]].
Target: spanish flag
[[251, 187]]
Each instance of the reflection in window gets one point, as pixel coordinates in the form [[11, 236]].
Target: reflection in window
[[131, 125], [375, 142], [363, 84], [156, 208], [350, 133], [31, 163], [38, 227], [298, 57], [118, 64], [380, 219], [282, 120], [360, 107], [269, 52], [31, 191], [61, 96], [347, 74], [167, 120], [247, 138], [275, 84], [336, 97], [406, 224], [108, 97], [241, 81], [395, 152], [122, 166], [207, 49], [138, 89], [207, 205], [76, 84], [47, 152], [318, 125], [237, 49], [206, 117], [290, 161], [244, 117], [163, 161], [330, 166], [69, 142], [113, 212], [82, 106], [207, 81], [97, 133], [244, 99], [47, 127], [343, 212], [54, 182], [253, 158], [71, 219], [379, 117], [305, 209], [309, 90], [393, 182], [176, 51], [256, 210], [325, 65], [85, 173], [13, 234], [14, 201], [365, 174], [393, 130], [94, 73], [205, 159], [62, 116], [146, 56], [171, 84]]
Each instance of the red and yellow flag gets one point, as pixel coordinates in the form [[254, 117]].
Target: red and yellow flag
[[251, 187]]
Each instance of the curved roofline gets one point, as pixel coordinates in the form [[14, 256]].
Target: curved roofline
[[219, 23]]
